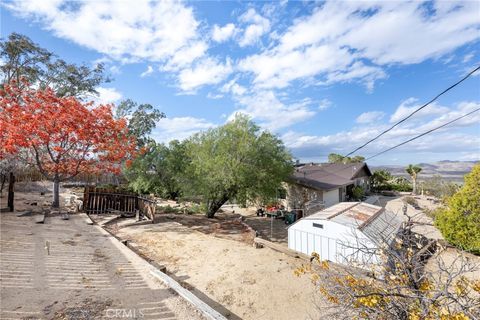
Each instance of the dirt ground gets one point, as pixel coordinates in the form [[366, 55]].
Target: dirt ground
[[232, 276], [67, 269]]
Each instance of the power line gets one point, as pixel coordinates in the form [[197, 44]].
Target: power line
[[417, 110], [421, 135], [401, 144]]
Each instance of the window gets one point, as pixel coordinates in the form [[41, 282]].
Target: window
[[318, 225]]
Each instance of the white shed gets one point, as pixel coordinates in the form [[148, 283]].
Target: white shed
[[336, 233]]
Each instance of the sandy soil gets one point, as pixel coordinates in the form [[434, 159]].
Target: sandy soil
[[249, 283]]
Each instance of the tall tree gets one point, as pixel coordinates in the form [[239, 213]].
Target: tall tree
[[60, 135], [25, 63], [338, 158], [160, 170], [23, 59], [413, 171], [142, 119], [236, 161]]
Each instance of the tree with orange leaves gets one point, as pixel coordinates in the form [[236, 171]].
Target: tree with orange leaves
[[61, 136]]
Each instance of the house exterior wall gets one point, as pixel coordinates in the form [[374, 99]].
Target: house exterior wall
[[363, 182], [334, 242], [362, 179], [298, 195]]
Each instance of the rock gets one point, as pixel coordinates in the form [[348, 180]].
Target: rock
[[24, 214], [257, 245]]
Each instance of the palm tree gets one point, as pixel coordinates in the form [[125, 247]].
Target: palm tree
[[413, 171]]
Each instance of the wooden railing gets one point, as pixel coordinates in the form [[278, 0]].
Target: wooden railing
[[101, 200]]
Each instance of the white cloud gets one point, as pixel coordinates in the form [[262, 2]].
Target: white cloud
[[179, 128], [369, 117], [221, 34], [446, 140], [107, 95], [324, 104], [185, 56], [115, 70], [468, 57], [411, 104], [345, 41], [147, 72], [233, 87], [123, 30], [206, 71], [272, 113], [257, 27]]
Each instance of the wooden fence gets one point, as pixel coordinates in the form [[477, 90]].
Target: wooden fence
[[102, 200]]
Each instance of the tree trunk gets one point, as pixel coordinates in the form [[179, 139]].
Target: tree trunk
[[11, 192], [414, 180], [4, 178], [215, 205], [56, 192]]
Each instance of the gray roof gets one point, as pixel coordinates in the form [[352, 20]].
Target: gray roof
[[328, 176], [374, 221]]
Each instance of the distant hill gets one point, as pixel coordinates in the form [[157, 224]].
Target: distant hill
[[449, 170]]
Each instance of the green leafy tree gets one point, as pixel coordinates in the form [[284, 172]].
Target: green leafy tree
[[142, 119], [413, 171], [24, 59], [338, 158], [358, 193], [159, 170], [459, 221], [236, 161], [380, 178]]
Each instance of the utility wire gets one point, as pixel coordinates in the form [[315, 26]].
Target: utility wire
[[421, 135], [401, 144], [417, 110]]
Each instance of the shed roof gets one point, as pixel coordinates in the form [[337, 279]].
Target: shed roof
[[374, 221], [328, 176]]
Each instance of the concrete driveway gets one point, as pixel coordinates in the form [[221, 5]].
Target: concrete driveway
[[66, 269]]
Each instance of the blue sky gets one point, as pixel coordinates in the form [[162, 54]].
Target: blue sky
[[324, 76]]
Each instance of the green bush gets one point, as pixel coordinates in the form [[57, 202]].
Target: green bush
[[402, 187], [358, 193], [459, 221]]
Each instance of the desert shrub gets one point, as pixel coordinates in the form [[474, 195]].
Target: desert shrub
[[411, 201], [459, 220], [438, 187], [168, 209]]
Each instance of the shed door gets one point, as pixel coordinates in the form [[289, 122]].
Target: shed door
[[331, 197]]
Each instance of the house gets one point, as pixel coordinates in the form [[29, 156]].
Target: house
[[326, 183], [345, 232]]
